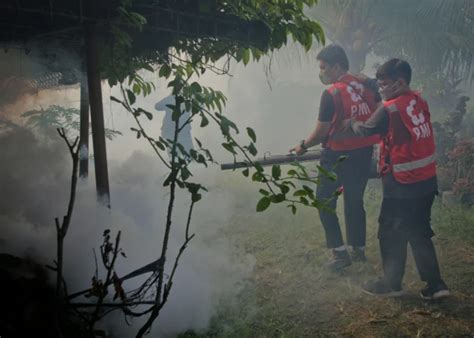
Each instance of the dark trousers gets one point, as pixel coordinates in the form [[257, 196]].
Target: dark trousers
[[404, 221], [352, 175]]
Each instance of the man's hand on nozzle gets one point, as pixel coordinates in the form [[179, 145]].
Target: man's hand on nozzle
[[300, 149]]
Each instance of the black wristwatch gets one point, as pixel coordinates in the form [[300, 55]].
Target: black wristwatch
[[302, 145]]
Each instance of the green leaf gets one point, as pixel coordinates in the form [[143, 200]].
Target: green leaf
[[160, 145], [196, 197], [225, 123], [176, 114], [131, 97], [263, 204], [284, 188], [165, 71], [258, 167], [307, 189], [252, 149], [245, 172], [264, 192], [148, 115], [229, 148], [251, 134], [300, 193], [224, 129], [180, 183], [204, 121], [278, 198], [136, 88], [185, 173], [276, 171], [196, 87], [257, 177], [187, 105], [246, 56], [304, 201], [138, 111], [148, 67], [219, 106], [189, 69], [199, 143]]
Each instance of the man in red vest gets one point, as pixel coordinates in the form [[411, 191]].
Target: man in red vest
[[409, 182], [347, 97]]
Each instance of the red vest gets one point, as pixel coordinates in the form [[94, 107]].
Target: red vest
[[351, 100], [408, 149]]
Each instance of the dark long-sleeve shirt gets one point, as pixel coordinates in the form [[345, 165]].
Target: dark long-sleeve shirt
[[378, 123]]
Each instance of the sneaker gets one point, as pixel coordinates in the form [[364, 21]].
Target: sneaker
[[340, 259], [435, 291], [358, 254], [381, 288]]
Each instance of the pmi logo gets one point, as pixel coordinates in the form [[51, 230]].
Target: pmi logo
[[422, 128], [355, 94]]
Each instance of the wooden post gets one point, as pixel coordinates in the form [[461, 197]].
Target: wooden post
[[84, 129], [97, 115]]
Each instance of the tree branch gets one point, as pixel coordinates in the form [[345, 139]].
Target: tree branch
[[61, 229]]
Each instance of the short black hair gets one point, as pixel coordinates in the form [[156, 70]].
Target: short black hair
[[334, 54], [394, 69]]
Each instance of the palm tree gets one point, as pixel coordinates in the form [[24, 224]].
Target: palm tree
[[350, 24], [435, 35]]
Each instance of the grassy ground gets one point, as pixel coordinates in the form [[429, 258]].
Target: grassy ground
[[291, 294]]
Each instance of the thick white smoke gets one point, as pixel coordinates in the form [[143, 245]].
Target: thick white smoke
[[35, 178]]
